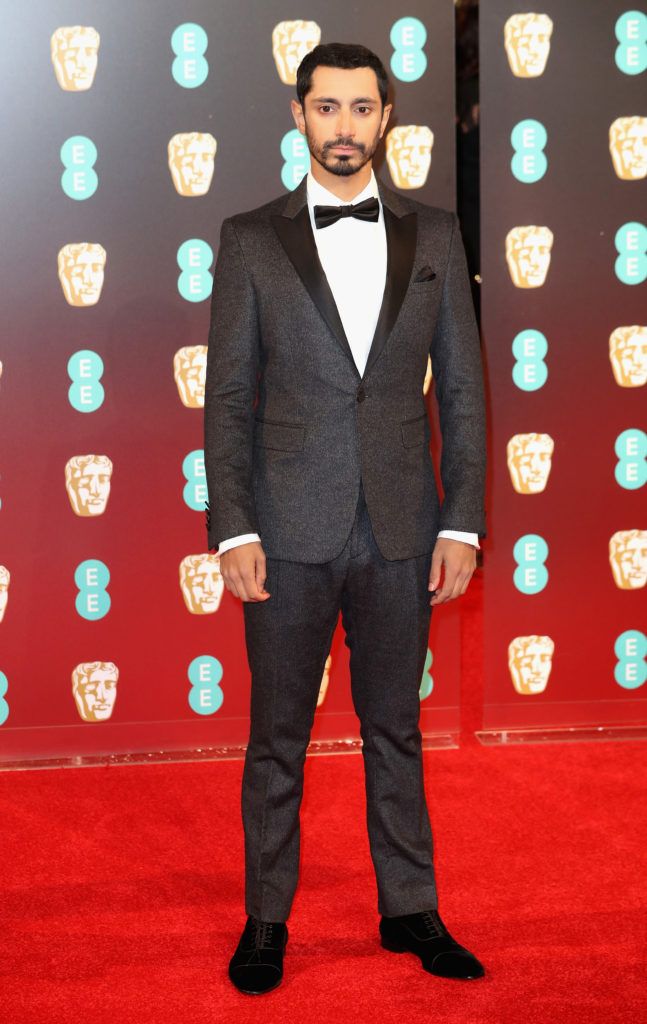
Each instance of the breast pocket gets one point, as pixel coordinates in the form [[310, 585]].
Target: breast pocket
[[286, 437]]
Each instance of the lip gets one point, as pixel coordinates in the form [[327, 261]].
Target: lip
[[345, 149]]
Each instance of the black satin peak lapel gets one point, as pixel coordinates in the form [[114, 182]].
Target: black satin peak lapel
[[401, 234], [298, 241]]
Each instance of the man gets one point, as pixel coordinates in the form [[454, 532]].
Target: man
[[327, 302]]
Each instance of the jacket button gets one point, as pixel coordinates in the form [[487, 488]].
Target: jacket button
[[361, 394]]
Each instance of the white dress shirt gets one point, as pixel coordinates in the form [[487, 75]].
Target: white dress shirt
[[353, 255]]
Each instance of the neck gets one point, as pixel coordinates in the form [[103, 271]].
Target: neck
[[345, 188]]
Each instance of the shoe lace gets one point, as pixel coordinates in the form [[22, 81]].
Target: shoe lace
[[262, 933], [432, 923]]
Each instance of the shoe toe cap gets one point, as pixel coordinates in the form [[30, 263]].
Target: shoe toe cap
[[255, 978], [456, 964]]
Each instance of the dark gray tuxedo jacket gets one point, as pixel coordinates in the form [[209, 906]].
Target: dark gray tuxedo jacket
[[289, 423]]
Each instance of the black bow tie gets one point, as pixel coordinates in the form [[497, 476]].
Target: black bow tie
[[369, 209]]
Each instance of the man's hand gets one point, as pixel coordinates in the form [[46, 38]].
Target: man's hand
[[243, 570], [459, 560]]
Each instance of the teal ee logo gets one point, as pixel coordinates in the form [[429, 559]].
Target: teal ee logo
[[4, 706], [529, 349], [631, 33], [631, 467], [530, 552], [631, 245], [195, 489], [205, 695], [631, 650], [190, 67], [79, 179], [296, 157], [529, 162], [427, 681], [85, 369], [408, 61], [194, 258], [91, 578]]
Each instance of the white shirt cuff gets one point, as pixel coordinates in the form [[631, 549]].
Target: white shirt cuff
[[468, 538], [233, 542]]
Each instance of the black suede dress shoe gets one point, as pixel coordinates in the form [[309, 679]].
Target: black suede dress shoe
[[425, 935], [257, 964]]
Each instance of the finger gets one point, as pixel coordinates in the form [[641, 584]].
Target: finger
[[466, 583], [249, 588], [261, 573], [441, 595], [231, 586], [434, 572]]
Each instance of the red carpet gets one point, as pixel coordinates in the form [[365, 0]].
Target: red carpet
[[122, 892]]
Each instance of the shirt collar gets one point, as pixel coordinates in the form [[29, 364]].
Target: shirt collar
[[318, 194]]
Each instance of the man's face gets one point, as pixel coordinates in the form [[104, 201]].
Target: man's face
[[342, 108]]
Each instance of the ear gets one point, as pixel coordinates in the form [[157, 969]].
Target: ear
[[297, 114]]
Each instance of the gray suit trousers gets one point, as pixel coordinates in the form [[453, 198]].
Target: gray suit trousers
[[385, 613]]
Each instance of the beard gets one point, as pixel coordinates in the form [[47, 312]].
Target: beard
[[342, 164]]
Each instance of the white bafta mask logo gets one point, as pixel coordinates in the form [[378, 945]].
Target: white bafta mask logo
[[291, 40], [81, 268], [74, 50], [628, 355], [5, 577], [628, 147], [189, 371], [201, 583], [527, 253], [530, 660], [190, 159], [87, 482], [325, 679], [94, 686], [526, 38], [628, 558], [408, 154], [529, 459]]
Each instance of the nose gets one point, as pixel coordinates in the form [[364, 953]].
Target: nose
[[344, 128]]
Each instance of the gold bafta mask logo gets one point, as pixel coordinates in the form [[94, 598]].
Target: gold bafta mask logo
[[529, 461], [190, 159], [530, 660], [426, 384], [80, 270], [526, 39], [87, 482], [291, 40], [408, 154], [628, 147], [189, 370], [325, 679], [527, 253], [74, 51], [628, 355], [94, 685], [628, 558], [5, 576], [201, 583]]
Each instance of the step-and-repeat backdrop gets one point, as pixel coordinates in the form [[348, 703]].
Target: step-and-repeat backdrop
[[564, 305], [132, 131]]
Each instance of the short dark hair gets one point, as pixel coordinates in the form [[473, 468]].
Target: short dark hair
[[340, 55]]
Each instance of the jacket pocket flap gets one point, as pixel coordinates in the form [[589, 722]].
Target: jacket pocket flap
[[413, 431], [287, 437]]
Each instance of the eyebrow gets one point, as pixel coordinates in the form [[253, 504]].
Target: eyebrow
[[331, 99]]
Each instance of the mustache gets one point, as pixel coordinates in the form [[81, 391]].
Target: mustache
[[340, 142]]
